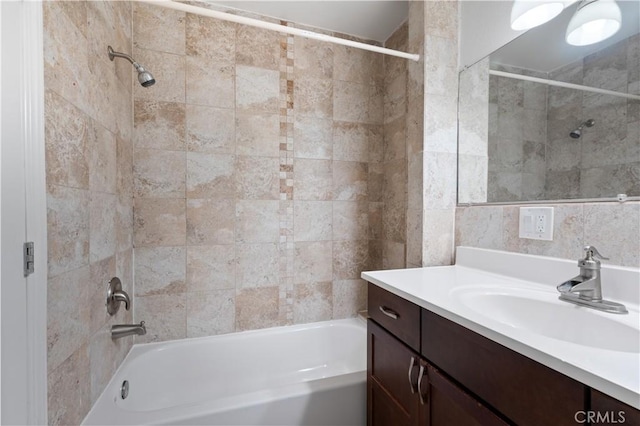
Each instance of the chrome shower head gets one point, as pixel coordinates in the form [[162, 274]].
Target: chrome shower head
[[575, 134], [144, 77]]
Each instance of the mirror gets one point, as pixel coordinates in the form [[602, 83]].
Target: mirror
[[542, 120]]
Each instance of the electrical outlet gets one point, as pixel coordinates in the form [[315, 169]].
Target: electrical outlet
[[536, 223]]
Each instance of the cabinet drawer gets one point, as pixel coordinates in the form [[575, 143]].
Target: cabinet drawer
[[526, 392], [397, 315]]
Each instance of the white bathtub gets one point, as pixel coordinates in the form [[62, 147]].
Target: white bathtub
[[310, 374]]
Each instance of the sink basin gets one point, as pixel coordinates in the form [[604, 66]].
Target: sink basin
[[541, 312]]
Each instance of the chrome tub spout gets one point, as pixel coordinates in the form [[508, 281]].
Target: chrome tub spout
[[123, 330]]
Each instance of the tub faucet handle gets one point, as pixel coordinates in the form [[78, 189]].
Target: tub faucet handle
[[116, 295]]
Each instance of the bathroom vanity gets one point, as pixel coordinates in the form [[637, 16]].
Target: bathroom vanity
[[445, 349]]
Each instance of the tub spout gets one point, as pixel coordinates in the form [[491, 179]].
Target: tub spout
[[123, 330]]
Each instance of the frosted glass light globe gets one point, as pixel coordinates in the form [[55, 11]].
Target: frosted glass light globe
[[594, 21], [526, 14]]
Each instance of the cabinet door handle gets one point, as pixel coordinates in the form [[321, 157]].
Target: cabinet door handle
[[412, 363], [420, 376], [389, 312]]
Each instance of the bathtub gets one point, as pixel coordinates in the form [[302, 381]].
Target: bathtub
[[310, 374]]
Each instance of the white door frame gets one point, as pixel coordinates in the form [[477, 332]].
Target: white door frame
[[26, 56]]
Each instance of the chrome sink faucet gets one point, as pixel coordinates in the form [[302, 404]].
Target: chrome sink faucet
[[586, 288]]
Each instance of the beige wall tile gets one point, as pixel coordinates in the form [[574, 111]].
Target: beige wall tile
[[257, 47], [351, 101], [68, 324], [353, 141], [313, 137], [257, 265], [356, 65], [312, 302], [211, 268], [210, 82], [313, 179], [67, 229], [257, 308], [103, 356], [69, 407], [257, 221], [159, 125], [393, 255], [257, 90], [159, 222], [65, 54], [479, 227], [349, 297], [165, 316], [258, 134], [210, 222], [103, 164], [124, 169], [395, 140], [395, 98], [350, 220], [440, 186], [147, 19], [313, 97], [394, 223], [375, 220], [211, 313], [312, 220], [350, 258], [257, 178], [210, 175], [614, 228], [66, 142], [209, 38], [159, 173], [394, 184], [441, 18], [160, 270], [313, 58], [102, 214], [350, 181], [210, 129], [437, 237], [313, 261]]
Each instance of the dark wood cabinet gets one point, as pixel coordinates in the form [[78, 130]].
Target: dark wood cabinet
[[607, 410], [426, 370], [404, 389]]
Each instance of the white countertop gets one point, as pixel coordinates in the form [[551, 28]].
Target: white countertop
[[614, 373]]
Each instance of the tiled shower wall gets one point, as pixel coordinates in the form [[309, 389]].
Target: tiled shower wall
[[88, 130], [257, 162]]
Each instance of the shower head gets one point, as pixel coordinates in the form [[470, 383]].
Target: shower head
[[144, 77], [575, 134]]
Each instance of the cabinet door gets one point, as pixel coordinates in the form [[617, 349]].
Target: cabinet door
[[608, 410], [443, 403], [392, 371]]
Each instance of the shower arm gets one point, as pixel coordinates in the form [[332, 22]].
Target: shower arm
[[114, 54]]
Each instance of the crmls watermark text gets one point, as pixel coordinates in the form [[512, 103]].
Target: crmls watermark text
[[600, 417]]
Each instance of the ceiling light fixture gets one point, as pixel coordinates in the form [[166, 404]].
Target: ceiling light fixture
[[526, 14], [594, 21]]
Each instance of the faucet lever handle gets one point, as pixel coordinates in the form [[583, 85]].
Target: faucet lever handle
[[592, 251]]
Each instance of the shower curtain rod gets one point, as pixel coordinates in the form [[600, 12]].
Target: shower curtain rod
[[563, 84], [276, 27]]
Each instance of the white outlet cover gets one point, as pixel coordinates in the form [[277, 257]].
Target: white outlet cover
[[536, 223]]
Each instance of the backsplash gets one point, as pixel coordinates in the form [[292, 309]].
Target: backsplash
[[612, 227], [88, 128]]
